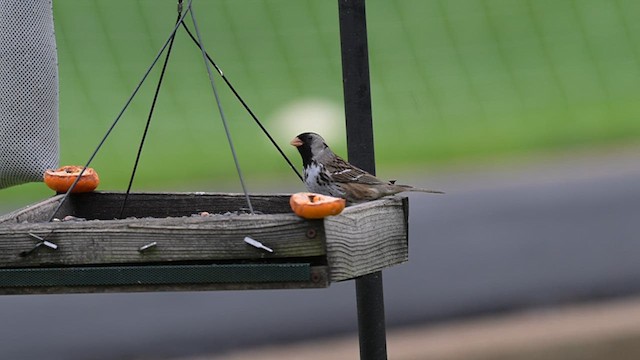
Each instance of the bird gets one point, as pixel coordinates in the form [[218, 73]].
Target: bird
[[328, 174]]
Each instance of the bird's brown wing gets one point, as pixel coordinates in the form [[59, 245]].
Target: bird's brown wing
[[343, 172]]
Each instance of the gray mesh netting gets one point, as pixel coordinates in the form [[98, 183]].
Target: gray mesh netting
[[29, 142]]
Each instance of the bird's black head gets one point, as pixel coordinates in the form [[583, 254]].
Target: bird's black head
[[309, 145]]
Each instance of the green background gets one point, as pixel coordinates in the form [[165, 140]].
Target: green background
[[456, 80]]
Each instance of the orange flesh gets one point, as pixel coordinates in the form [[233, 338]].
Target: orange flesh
[[315, 206]]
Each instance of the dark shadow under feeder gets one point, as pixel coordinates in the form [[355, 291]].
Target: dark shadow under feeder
[[164, 243]]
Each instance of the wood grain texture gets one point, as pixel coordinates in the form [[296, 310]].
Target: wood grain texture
[[178, 239], [39, 212], [367, 237], [161, 205], [362, 239]]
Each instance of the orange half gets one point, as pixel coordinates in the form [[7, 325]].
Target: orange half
[[60, 180], [315, 206]]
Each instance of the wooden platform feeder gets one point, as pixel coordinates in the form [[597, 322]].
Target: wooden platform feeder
[[165, 244]]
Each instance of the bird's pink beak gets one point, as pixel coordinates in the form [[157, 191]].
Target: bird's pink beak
[[296, 142]]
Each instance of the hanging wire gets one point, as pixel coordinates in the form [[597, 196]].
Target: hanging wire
[[126, 105], [244, 104], [153, 105], [224, 121], [169, 43]]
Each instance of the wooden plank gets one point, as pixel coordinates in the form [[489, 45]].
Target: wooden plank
[[39, 212], [367, 237], [107, 205], [217, 237], [319, 279]]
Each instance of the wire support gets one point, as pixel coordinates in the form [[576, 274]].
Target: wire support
[[151, 110], [115, 122], [244, 104], [222, 116]]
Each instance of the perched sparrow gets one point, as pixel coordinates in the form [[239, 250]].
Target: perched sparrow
[[328, 174]]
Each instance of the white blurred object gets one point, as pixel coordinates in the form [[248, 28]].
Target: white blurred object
[[310, 115]]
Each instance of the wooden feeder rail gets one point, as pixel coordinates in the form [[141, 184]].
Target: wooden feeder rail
[[192, 252]]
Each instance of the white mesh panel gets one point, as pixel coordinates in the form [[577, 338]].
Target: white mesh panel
[[28, 91]]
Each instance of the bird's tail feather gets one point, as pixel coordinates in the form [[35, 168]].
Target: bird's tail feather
[[411, 188], [427, 191]]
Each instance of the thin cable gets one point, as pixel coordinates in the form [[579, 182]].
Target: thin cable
[[224, 121], [144, 77], [146, 127], [255, 118]]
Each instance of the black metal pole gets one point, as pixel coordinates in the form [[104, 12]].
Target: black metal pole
[[357, 101]]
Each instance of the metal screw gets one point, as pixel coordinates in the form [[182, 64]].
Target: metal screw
[[257, 244], [144, 248], [311, 233], [41, 242], [315, 277]]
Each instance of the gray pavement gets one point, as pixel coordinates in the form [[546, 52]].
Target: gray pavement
[[507, 238]]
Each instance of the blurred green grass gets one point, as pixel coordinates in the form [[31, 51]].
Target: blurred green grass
[[451, 80]]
